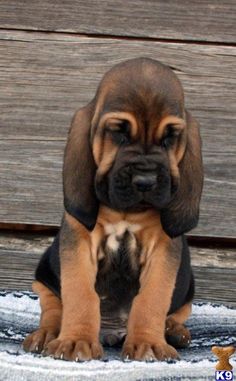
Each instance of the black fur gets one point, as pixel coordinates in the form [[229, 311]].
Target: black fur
[[173, 229], [48, 270], [87, 218], [184, 288], [117, 189]]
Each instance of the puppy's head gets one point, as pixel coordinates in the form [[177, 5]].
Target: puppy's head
[[135, 147]]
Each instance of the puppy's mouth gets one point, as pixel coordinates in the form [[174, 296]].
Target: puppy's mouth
[[140, 207], [127, 190]]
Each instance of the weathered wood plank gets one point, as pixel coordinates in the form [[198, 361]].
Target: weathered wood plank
[[214, 257], [28, 243], [46, 77], [19, 255], [31, 188], [204, 20], [215, 274], [215, 285]]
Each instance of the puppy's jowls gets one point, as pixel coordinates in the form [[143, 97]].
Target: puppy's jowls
[[119, 269]]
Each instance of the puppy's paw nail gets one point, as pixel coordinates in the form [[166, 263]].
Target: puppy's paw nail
[[62, 356], [127, 358], [170, 360]]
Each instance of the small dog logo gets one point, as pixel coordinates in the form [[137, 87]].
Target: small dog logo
[[223, 354], [223, 367]]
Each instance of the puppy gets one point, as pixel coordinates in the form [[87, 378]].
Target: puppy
[[119, 270]]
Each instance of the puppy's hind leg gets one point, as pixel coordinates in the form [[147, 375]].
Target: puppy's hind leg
[[50, 320], [176, 333]]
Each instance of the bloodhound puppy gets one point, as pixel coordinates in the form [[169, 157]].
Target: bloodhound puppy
[[119, 270]]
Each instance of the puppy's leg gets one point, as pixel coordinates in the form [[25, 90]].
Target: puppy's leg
[[146, 324], [79, 336], [176, 333], [50, 320]]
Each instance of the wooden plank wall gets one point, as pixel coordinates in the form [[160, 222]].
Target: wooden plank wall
[[52, 56], [195, 20]]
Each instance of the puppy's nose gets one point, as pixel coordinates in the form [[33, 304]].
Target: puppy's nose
[[144, 183]]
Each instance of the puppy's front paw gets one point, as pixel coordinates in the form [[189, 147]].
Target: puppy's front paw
[[177, 334], [74, 349], [144, 351], [38, 340]]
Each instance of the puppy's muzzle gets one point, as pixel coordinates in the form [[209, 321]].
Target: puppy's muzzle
[[144, 183]]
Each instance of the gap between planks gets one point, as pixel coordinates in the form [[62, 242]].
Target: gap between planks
[[119, 37]]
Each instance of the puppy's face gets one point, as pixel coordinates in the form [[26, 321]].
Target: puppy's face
[[134, 147], [138, 137]]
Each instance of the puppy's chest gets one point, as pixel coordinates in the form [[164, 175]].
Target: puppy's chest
[[119, 263]]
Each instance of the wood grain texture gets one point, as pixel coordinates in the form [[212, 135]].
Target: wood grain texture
[[216, 285], [31, 188], [203, 20], [214, 269], [19, 255], [46, 77], [214, 257]]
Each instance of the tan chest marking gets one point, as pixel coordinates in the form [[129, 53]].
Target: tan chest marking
[[116, 231]]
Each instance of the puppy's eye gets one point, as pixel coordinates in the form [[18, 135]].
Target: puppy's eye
[[170, 137], [120, 137], [120, 133]]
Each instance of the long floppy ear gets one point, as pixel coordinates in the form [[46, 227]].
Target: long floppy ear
[[79, 168], [181, 215]]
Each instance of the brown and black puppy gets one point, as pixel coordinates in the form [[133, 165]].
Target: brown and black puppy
[[120, 267]]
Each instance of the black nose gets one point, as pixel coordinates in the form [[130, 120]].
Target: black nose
[[144, 183]]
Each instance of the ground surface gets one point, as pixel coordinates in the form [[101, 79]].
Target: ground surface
[[19, 314]]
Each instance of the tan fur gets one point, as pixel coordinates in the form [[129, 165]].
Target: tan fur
[[79, 335], [146, 324], [182, 314], [179, 123], [110, 118], [50, 320], [107, 157], [104, 151]]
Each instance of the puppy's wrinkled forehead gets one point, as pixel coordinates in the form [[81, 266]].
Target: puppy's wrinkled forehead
[[144, 87]]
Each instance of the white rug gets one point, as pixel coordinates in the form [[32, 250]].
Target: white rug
[[19, 314]]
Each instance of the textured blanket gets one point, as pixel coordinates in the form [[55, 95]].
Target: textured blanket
[[19, 314]]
